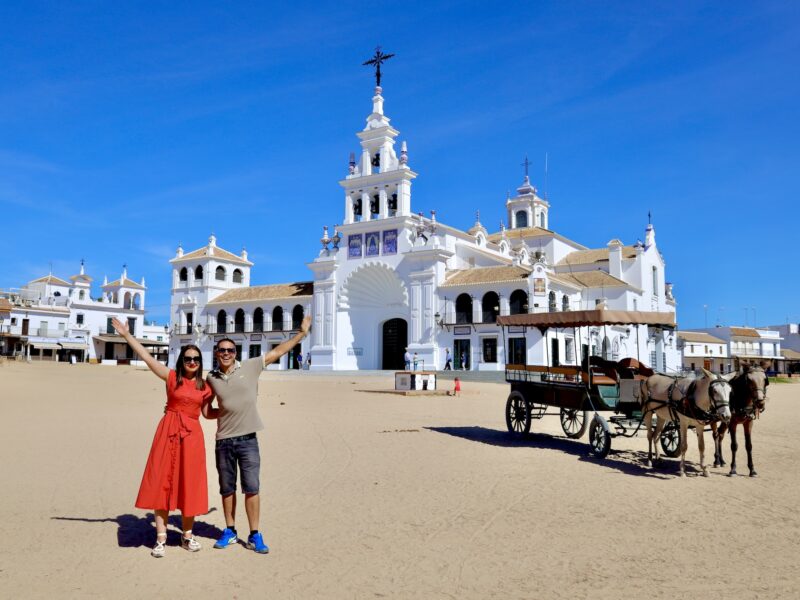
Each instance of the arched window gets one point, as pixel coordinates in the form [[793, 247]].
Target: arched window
[[277, 319], [655, 281], [518, 302], [258, 319], [222, 319], [490, 306], [198, 273], [297, 317], [551, 302], [219, 274], [184, 274], [126, 300], [137, 301], [522, 218], [464, 309], [615, 349], [81, 294], [606, 349], [238, 321], [237, 276], [541, 220], [564, 302]]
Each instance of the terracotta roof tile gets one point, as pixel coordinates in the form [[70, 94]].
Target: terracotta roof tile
[[521, 233], [587, 257], [484, 275], [5, 305], [588, 279], [279, 291], [699, 337], [218, 253], [127, 283], [744, 332], [51, 279]]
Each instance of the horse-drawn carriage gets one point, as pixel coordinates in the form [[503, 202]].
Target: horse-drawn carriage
[[593, 385]]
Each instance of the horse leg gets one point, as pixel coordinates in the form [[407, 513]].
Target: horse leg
[[649, 420], [684, 445], [660, 422], [748, 428], [734, 447], [701, 446], [718, 431]]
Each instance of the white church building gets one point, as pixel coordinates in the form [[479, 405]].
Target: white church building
[[390, 279]]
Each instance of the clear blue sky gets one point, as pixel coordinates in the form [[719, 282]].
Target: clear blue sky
[[124, 130]]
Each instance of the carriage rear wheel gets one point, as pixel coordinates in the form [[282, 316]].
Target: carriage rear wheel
[[574, 422], [518, 414], [599, 438], [671, 439]]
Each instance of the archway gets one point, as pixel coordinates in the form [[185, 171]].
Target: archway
[[395, 341]]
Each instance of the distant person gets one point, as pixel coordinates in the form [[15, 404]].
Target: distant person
[[448, 360], [416, 360], [407, 360], [175, 472], [299, 360], [456, 387], [463, 361], [236, 387]]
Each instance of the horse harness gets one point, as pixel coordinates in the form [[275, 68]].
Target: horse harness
[[686, 403]]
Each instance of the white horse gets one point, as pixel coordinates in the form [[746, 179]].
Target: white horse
[[694, 401]]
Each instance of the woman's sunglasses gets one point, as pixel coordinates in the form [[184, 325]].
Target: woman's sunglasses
[[191, 359]]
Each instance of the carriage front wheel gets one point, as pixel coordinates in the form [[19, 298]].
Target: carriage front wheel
[[518, 414], [671, 439], [574, 422], [599, 438]]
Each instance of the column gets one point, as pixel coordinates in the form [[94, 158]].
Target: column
[[348, 208], [365, 212], [383, 203]]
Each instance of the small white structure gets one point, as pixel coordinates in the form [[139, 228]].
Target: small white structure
[[749, 344], [702, 350], [58, 319]]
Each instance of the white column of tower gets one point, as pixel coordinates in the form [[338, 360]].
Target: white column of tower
[[348, 208], [366, 213], [383, 204]]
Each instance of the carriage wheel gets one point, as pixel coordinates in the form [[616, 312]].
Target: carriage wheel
[[671, 439], [599, 438], [518, 414], [573, 422]]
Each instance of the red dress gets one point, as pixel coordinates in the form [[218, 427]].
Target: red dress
[[175, 474]]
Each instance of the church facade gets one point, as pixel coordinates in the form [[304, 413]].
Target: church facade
[[389, 280]]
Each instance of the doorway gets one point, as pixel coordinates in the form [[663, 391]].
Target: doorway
[[461, 349], [395, 341]]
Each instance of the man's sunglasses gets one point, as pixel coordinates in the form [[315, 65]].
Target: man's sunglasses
[[191, 359], [226, 350]]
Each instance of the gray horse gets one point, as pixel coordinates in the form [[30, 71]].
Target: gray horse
[[695, 401], [748, 400]]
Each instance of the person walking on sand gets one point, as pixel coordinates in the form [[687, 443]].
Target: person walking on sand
[[416, 360], [236, 387], [175, 472], [448, 360], [407, 360]]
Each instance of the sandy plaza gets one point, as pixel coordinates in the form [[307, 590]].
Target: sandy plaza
[[372, 495]]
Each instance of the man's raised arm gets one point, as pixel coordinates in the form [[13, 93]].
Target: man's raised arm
[[274, 354]]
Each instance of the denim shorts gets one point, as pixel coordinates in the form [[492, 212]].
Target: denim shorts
[[241, 451]]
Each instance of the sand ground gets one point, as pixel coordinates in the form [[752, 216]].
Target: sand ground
[[370, 495]]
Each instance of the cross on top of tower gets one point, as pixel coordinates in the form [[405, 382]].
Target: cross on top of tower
[[377, 60], [526, 163], [649, 218]]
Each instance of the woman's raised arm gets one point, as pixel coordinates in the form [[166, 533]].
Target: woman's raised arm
[[156, 367]]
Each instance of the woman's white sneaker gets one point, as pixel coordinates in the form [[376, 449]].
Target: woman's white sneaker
[[191, 544], [159, 549]]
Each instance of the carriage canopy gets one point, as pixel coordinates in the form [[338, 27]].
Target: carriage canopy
[[585, 318]]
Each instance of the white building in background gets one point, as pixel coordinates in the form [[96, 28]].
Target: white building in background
[[701, 350], [57, 319], [389, 279], [749, 344]]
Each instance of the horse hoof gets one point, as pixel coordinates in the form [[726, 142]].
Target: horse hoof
[[682, 474], [732, 474], [753, 474], [705, 472], [716, 464]]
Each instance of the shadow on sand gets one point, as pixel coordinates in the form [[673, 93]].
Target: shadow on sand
[[134, 531], [630, 462]]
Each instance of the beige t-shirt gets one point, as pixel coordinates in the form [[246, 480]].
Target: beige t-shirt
[[236, 394]]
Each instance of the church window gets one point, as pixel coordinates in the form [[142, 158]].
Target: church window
[[183, 274], [357, 207], [374, 204], [490, 307], [136, 302], [541, 220], [56, 294], [655, 281], [393, 205], [376, 163], [238, 321], [219, 274], [489, 350], [198, 273], [258, 319], [79, 319], [518, 302], [522, 218], [564, 302], [81, 294], [237, 276], [126, 302], [222, 318], [551, 304], [463, 309], [297, 316], [277, 319]]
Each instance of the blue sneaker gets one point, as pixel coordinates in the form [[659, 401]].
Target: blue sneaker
[[256, 542], [228, 538]]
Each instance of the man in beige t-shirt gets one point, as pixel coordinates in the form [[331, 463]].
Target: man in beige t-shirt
[[236, 387]]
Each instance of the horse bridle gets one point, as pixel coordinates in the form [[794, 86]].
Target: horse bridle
[[714, 404]]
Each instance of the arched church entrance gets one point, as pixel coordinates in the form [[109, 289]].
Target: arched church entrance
[[395, 341]]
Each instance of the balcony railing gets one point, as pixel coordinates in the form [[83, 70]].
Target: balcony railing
[[212, 329]]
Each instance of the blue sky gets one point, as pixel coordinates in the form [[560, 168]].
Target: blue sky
[[125, 130]]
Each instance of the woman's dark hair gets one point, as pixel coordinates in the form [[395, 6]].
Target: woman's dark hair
[[180, 371]]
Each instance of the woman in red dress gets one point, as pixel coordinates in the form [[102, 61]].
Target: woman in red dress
[[175, 475]]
